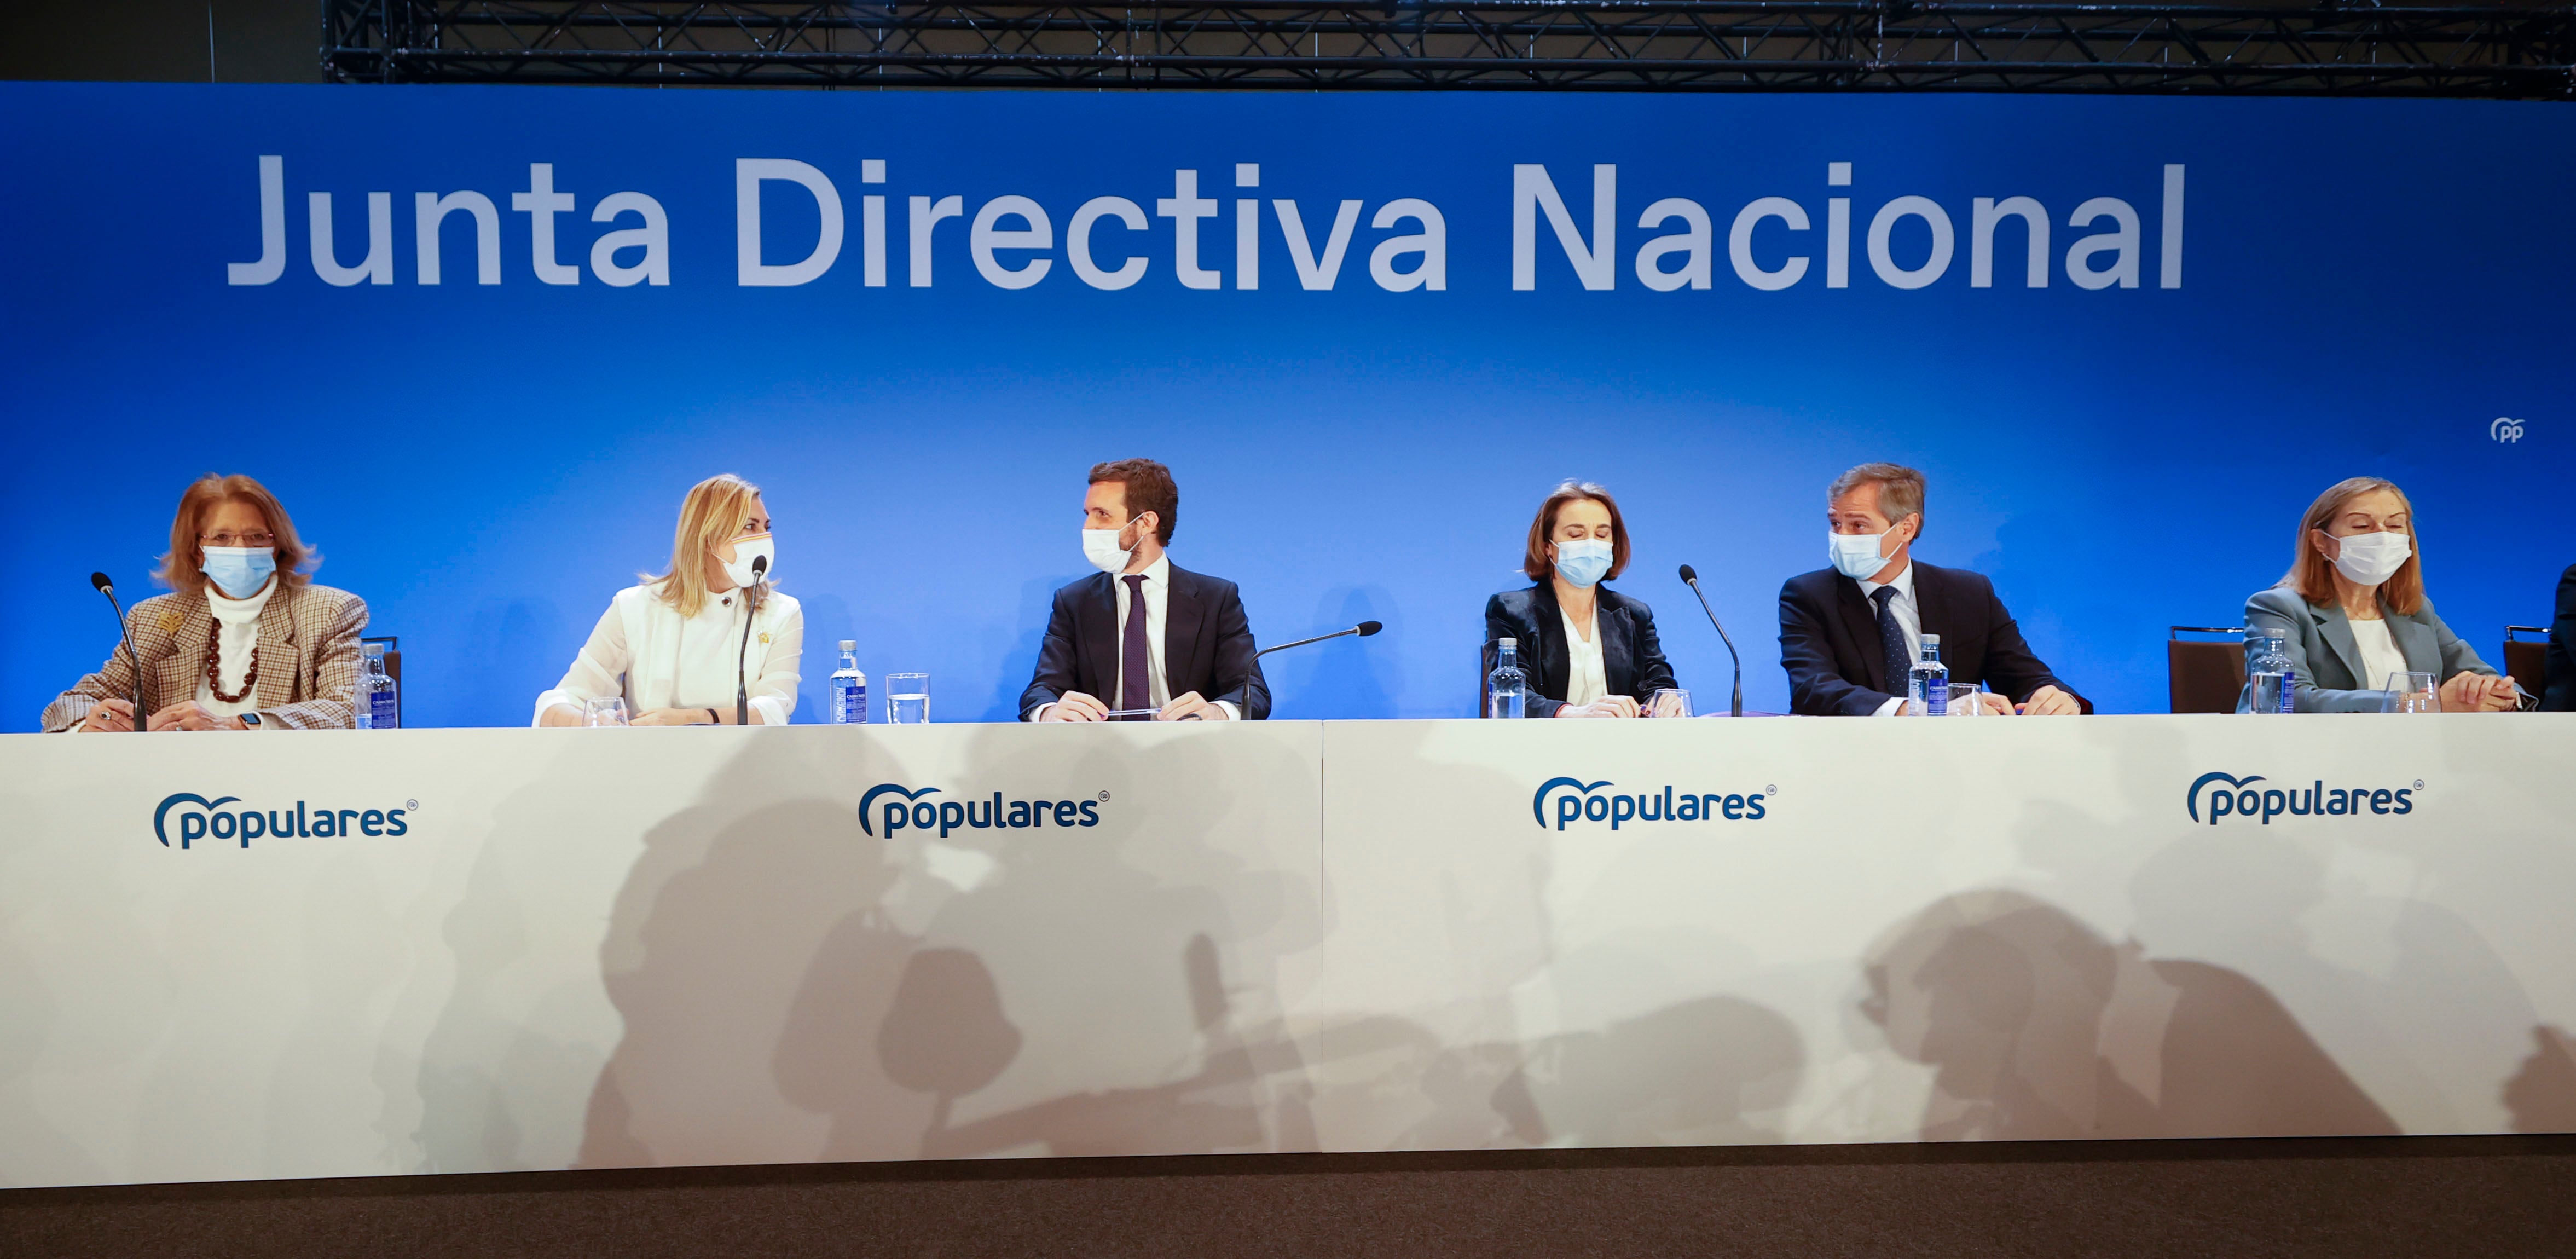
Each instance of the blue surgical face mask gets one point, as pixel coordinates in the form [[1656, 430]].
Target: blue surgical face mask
[[1582, 563], [239, 571], [1856, 554]]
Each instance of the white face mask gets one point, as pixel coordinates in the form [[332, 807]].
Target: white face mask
[[2367, 559], [1100, 546], [1856, 555], [1583, 561], [745, 550]]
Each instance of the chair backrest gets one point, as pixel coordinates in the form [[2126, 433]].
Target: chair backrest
[[2527, 663], [393, 668], [2204, 677]]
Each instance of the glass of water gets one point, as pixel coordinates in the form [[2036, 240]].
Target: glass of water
[[907, 698], [607, 710], [1964, 701], [1672, 701], [2413, 693]]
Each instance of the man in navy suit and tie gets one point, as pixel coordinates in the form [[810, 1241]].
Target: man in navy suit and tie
[[1143, 635], [1850, 634]]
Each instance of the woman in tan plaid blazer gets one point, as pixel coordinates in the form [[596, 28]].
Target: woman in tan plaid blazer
[[282, 657]]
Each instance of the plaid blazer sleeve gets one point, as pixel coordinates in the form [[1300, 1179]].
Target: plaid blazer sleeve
[[147, 623], [331, 621]]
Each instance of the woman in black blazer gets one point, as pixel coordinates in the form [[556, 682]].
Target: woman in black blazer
[[1589, 651]]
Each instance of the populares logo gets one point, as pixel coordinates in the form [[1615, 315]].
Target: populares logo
[[2505, 429], [896, 807], [1580, 801], [2226, 795], [201, 818]]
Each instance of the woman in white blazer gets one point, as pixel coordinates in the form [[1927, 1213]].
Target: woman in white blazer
[[675, 645]]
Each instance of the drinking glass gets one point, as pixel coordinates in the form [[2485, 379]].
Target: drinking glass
[[1672, 701], [1964, 701], [607, 710], [907, 698], [2413, 693]]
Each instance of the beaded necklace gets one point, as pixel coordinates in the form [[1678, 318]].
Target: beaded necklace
[[214, 666]]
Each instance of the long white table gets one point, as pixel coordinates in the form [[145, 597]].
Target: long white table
[[618, 948]]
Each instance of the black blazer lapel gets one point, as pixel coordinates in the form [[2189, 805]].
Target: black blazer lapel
[[1185, 618], [1933, 607], [1860, 620], [1096, 628], [1555, 667], [1618, 636]]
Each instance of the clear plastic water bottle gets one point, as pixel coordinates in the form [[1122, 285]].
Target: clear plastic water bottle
[[1506, 688], [849, 688], [378, 698], [2271, 685], [1927, 685]]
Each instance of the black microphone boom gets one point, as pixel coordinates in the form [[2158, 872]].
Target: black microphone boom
[[741, 674], [1363, 629], [108, 588], [1735, 707]]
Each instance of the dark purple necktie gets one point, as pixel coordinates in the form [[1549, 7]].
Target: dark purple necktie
[[1891, 640], [1135, 686]]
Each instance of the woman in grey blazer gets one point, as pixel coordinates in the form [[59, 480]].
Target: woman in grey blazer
[[2353, 610]]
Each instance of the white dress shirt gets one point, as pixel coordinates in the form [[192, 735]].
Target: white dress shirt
[[643, 650], [1585, 678], [2379, 654], [1158, 603], [236, 638], [1908, 618]]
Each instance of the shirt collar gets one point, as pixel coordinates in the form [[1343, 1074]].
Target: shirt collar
[[1158, 573], [1904, 583]]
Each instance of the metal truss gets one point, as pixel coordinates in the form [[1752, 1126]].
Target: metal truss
[[2335, 49]]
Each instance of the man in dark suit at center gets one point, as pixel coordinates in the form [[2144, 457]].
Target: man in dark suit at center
[[1850, 634], [1143, 633]]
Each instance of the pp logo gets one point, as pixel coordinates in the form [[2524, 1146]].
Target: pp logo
[[906, 809], [1580, 801], [2314, 800], [2505, 429]]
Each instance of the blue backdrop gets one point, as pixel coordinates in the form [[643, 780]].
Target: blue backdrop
[[2365, 287]]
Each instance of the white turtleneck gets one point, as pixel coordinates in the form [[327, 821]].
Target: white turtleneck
[[236, 637]]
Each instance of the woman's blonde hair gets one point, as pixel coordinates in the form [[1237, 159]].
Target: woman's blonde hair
[[2312, 574], [182, 567], [711, 514]]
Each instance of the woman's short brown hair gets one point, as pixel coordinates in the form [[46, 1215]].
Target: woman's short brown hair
[[1535, 562], [2312, 574], [182, 566]]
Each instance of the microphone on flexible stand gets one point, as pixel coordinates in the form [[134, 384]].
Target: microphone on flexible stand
[[108, 588], [1363, 629], [1691, 577], [741, 673]]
